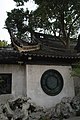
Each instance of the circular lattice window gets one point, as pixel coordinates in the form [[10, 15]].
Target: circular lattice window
[[51, 82]]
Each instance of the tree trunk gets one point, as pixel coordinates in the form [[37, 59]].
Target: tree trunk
[[67, 42]]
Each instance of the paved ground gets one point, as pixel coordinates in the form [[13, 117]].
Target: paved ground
[[74, 118]]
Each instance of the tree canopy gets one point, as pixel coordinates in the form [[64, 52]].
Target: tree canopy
[[58, 17], [17, 20]]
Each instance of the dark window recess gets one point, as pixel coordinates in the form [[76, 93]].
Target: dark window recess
[[5, 83], [51, 82]]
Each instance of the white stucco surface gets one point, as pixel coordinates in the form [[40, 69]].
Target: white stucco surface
[[18, 78], [34, 90], [26, 81]]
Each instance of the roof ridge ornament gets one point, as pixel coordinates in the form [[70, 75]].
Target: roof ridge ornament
[[22, 45], [26, 48]]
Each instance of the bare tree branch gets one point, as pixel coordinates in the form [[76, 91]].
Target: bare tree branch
[[70, 27]]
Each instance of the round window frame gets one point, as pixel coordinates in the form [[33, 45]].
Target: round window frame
[[59, 78]]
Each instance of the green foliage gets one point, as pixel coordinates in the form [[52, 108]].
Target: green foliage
[[62, 16], [76, 70], [20, 2], [57, 17], [3, 43], [17, 20]]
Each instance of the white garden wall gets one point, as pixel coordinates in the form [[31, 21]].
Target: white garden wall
[[34, 90], [26, 81], [18, 78]]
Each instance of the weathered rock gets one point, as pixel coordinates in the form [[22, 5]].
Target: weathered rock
[[66, 100], [35, 116], [23, 109], [61, 110], [66, 108], [20, 108], [2, 117], [16, 109], [73, 118], [75, 103], [7, 111], [36, 112], [18, 114], [5, 98]]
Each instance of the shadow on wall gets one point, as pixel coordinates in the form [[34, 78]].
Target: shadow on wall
[[77, 85]]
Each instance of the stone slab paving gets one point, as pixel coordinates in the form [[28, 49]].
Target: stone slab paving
[[74, 118]]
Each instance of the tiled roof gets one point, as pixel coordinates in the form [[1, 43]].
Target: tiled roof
[[8, 55], [43, 48], [51, 46], [11, 56]]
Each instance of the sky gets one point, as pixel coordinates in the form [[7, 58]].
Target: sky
[[7, 6]]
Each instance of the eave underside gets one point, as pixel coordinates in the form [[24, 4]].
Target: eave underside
[[37, 57]]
